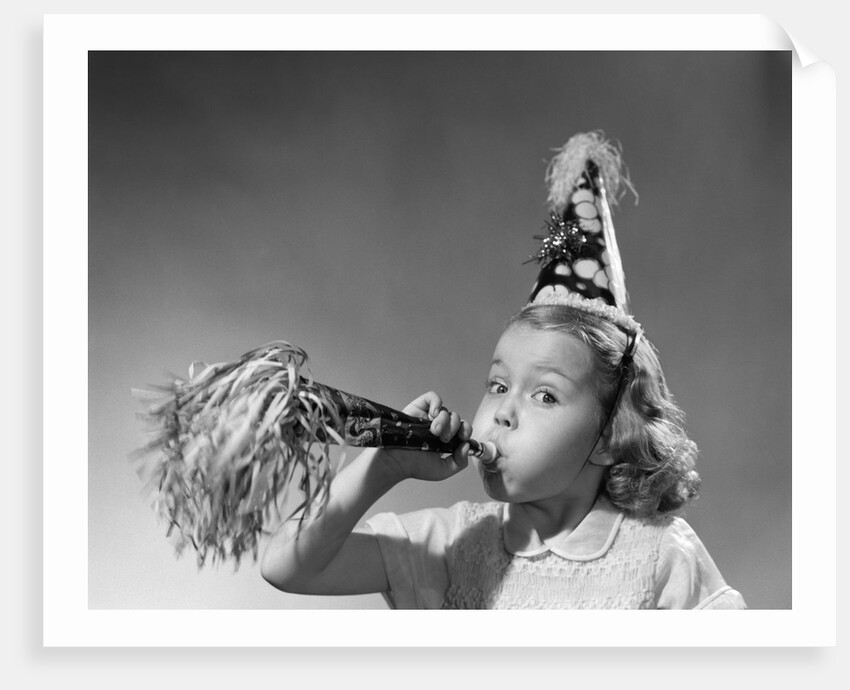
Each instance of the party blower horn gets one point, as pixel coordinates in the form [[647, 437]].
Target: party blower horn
[[233, 437]]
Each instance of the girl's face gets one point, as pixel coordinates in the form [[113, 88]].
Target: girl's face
[[541, 410]]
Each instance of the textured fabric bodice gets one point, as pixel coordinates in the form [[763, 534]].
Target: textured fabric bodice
[[484, 576]]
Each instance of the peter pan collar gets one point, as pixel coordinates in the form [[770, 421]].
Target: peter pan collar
[[589, 540]]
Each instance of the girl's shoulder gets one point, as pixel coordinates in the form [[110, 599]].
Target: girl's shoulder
[[686, 575], [673, 524], [677, 535], [673, 536]]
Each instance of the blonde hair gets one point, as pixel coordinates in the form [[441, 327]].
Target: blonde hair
[[653, 471]]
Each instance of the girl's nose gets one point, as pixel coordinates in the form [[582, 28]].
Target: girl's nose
[[505, 414]]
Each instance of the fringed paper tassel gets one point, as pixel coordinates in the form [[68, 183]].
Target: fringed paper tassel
[[229, 439], [233, 437]]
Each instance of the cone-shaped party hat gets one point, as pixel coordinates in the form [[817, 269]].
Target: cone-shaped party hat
[[579, 258]]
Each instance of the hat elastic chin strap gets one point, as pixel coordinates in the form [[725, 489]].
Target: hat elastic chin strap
[[625, 364]]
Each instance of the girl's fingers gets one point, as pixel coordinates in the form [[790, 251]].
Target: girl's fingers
[[445, 424], [461, 456], [448, 424], [436, 406], [454, 426], [439, 422], [425, 406]]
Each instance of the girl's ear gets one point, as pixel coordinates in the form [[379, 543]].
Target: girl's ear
[[600, 455], [601, 458]]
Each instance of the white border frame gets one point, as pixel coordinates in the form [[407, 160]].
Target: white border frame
[[67, 620]]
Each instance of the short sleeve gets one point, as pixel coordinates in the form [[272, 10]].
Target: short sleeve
[[413, 547], [687, 577]]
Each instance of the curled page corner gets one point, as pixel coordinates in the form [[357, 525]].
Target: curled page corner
[[804, 55]]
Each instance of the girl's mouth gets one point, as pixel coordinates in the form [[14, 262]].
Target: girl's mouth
[[491, 466]]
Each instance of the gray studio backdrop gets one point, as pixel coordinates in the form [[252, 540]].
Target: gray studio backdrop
[[376, 209]]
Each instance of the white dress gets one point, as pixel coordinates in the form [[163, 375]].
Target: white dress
[[489, 556]]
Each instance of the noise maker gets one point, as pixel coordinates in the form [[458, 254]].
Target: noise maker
[[371, 425], [232, 439]]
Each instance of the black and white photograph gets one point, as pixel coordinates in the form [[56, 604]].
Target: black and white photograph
[[375, 219]]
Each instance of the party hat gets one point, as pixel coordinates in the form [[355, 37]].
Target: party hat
[[579, 258]]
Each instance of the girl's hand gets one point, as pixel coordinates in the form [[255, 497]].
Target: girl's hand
[[446, 425]]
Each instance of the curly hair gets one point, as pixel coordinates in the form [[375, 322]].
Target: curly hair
[[653, 471]]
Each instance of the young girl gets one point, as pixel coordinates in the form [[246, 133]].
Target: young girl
[[583, 514], [591, 462]]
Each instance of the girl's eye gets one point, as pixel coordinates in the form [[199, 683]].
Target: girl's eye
[[545, 397], [496, 387]]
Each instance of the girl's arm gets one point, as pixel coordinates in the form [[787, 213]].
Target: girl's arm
[[326, 556]]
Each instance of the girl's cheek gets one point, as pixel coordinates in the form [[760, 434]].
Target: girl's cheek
[[481, 417]]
